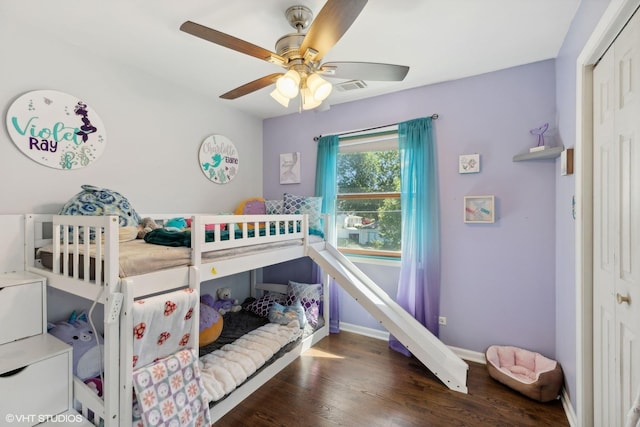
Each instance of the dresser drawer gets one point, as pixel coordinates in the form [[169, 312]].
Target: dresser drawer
[[21, 310], [38, 389]]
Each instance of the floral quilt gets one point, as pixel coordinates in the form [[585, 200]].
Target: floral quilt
[[170, 392]]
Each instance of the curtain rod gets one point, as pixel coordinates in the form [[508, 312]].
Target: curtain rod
[[316, 138]]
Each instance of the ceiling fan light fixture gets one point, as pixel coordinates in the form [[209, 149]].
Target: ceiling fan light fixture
[[309, 102], [289, 84], [301, 54], [283, 100], [320, 88]]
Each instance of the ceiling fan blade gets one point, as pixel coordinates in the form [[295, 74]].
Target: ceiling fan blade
[[364, 71], [332, 22], [247, 88], [230, 42]]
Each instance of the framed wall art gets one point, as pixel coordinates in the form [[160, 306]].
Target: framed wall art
[[479, 209], [469, 163], [290, 168]]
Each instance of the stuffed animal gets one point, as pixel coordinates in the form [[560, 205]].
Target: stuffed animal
[[95, 384], [176, 224], [224, 303], [146, 225], [87, 347], [210, 321]]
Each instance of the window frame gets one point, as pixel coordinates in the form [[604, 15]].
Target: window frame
[[367, 139]]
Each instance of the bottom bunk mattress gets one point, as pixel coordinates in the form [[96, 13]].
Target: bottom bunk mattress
[[248, 343]]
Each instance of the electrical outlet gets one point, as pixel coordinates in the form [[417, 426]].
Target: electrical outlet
[[114, 306], [442, 321]]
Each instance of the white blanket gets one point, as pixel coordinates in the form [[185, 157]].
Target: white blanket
[[162, 325], [225, 369]]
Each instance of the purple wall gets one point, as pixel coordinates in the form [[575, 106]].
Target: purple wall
[[497, 279]]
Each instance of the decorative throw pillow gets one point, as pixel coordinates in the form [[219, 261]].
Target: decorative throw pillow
[[251, 206], [312, 206], [284, 315], [263, 304], [309, 296], [274, 207], [94, 201], [126, 234]]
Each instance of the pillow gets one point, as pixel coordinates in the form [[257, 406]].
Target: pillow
[[312, 206], [126, 234], [309, 296], [251, 206], [274, 207], [284, 315], [263, 304], [94, 201]]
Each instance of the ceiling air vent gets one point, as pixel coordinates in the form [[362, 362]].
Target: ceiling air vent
[[350, 85]]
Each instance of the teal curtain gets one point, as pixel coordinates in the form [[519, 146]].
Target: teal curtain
[[419, 284], [326, 187]]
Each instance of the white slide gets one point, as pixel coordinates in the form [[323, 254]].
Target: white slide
[[425, 346]]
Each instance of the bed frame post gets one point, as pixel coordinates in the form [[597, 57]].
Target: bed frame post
[[305, 229], [111, 394], [197, 239], [126, 352], [194, 283], [252, 283]]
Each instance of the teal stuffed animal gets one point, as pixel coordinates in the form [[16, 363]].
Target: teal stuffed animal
[[178, 224]]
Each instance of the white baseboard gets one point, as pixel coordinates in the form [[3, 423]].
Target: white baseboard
[[472, 356], [361, 330], [568, 409]]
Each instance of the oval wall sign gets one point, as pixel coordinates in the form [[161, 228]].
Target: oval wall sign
[[219, 159], [56, 129]]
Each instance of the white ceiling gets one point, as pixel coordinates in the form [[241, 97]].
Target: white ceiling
[[439, 40]]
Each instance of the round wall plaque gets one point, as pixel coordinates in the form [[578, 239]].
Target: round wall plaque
[[219, 159], [56, 129]]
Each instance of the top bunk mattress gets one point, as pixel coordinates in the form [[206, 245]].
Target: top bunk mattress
[[138, 257]]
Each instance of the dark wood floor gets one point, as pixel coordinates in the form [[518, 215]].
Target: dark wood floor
[[352, 380]]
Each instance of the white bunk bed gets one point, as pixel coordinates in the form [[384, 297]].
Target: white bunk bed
[[103, 282]]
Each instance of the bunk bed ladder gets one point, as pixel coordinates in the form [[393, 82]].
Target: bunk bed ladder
[[425, 346]]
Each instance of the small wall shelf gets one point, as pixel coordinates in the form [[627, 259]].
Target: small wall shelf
[[548, 153]]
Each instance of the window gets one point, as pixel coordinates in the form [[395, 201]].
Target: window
[[368, 195]]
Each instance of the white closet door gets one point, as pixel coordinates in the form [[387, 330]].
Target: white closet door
[[616, 239], [604, 242]]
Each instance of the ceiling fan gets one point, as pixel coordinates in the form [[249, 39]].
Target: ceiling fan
[[301, 54]]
